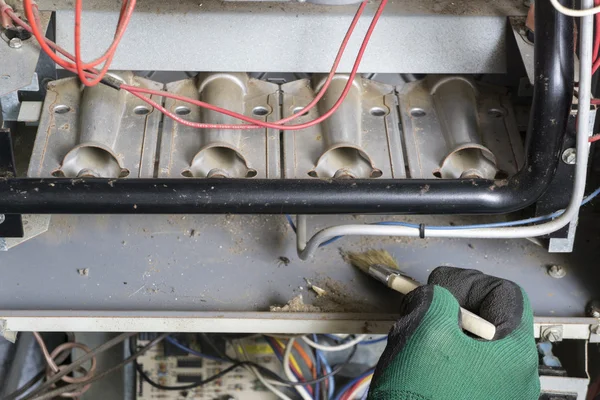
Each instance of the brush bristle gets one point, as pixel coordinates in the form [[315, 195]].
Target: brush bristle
[[365, 259]]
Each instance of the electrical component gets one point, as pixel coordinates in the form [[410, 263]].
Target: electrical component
[[182, 368]]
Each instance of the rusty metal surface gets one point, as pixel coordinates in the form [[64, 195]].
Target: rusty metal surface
[[232, 263]]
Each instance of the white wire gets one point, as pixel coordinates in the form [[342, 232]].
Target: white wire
[[308, 249], [574, 12], [340, 347], [288, 372], [259, 376], [272, 388], [362, 387]]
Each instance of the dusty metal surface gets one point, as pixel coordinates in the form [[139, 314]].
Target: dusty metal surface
[[231, 263], [191, 152], [287, 37], [18, 72], [360, 140], [95, 132], [430, 148], [450, 7]]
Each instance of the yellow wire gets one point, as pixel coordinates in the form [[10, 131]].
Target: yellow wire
[[292, 359]]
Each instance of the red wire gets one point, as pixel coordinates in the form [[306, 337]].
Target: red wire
[[594, 138], [257, 123], [127, 8], [124, 18], [31, 13]]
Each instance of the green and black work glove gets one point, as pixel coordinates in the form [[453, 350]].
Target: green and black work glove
[[429, 357]]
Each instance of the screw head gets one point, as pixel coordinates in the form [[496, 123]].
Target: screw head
[[592, 309], [15, 43], [569, 156], [556, 271], [552, 335]]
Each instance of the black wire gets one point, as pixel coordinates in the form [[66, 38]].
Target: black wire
[[265, 371], [145, 376]]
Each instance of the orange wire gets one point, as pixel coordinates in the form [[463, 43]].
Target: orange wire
[[306, 358]]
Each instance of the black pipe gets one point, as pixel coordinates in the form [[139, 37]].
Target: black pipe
[[547, 126]]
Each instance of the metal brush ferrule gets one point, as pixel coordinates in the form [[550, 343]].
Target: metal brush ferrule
[[382, 273]]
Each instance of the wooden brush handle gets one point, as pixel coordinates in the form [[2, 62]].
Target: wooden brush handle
[[470, 322]]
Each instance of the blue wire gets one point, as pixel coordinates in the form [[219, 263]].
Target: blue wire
[[317, 395], [590, 197], [291, 222], [353, 382], [175, 343], [373, 341], [325, 363], [280, 358], [586, 200]]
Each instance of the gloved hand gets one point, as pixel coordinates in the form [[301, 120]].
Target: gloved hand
[[428, 356]]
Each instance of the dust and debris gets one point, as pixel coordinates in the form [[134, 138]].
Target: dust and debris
[[319, 291], [194, 233], [425, 189], [341, 298], [295, 305], [284, 261], [83, 271]]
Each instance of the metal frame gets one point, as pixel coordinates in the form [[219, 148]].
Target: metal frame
[[553, 91], [247, 322]]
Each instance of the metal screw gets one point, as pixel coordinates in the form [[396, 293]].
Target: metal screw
[[556, 271], [2, 218], [552, 334], [569, 156], [593, 309], [15, 43]]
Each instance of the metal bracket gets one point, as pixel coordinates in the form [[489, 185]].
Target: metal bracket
[[11, 336], [552, 333], [11, 225]]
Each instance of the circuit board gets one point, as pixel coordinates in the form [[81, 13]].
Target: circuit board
[[180, 370]]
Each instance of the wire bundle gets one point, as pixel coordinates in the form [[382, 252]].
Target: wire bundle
[[53, 368], [297, 363], [90, 76]]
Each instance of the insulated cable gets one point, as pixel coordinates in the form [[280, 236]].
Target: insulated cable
[[77, 386], [78, 66], [49, 383], [288, 372], [350, 385], [343, 346], [259, 376], [307, 249], [136, 91], [572, 12], [519, 222], [52, 368]]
